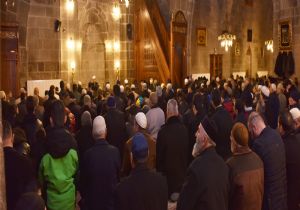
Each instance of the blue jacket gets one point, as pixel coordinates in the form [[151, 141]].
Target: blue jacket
[[270, 148]]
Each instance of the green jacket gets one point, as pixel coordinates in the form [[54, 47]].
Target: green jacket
[[57, 175], [58, 168]]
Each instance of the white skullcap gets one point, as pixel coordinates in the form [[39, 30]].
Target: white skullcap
[[122, 88], [141, 120], [259, 87], [107, 86], [83, 92], [93, 77], [126, 81], [186, 81], [217, 79], [169, 86], [273, 87], [79, 83], [265, 91], [162, 85], [295, 112], [132, 86], [2, 95], [99, 127]]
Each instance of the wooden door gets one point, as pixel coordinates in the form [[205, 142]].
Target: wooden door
[[9, 59], [216, 63]]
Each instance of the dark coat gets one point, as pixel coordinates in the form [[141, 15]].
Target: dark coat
[[206, 185], [292, 151], [246, 181], [270, 148], [84, 140], [116, 129], [99, 176], [142, 190], [224, 123], [19, 176], [171, 153], [272, 110]]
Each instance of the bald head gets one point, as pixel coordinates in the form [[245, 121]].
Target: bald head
[[153, 99], [256, 124], [172, 108]]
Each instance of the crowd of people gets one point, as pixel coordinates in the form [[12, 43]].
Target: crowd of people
[[223, 144]]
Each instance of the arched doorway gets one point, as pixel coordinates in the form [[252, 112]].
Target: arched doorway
[[178, 48]]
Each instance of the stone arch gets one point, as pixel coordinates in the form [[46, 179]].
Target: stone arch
[[93, 32]]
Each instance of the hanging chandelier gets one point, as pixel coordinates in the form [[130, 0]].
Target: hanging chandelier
[[226, 40], [269, 45], [126, 2]]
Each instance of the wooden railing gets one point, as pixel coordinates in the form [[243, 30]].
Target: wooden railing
[[162, 31]]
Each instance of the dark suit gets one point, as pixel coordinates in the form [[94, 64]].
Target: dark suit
[[224, 123], [116, 129], [142, 190], [101, 165], [171, 153], [292, 151], [207, 183], [19, 176], [270, 148]]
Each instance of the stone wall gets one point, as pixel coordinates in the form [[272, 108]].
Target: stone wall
[[42, 43], [94, 30]]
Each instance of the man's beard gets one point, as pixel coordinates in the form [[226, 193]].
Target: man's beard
[[198, 148]]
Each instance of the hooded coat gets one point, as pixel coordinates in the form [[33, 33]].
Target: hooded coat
[[58, 169]]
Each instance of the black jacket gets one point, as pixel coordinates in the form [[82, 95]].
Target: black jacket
[[270, 148], [101, 166], [85, 141], [19, 176], [142, 190], [116, 129], [224, 123], [59, 141], [272, 110], [171, 153], [292, 151], [206, 185]]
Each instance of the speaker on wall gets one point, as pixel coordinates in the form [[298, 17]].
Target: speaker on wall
[[129, 31], [57, 24], [249, 35]]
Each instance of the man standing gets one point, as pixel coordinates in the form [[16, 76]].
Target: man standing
[[116, 126], [224, 122], [246, 172], [172, 148], [140, 125], [59, 165], [207, 182], [144, 189], [155, 116], [269, 146], [100, 170], [19, 173]]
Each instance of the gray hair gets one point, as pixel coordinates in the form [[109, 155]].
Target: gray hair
[[86, 119], [172, 107], [87, 100]]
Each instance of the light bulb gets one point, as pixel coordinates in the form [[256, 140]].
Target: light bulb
[[70, 5], [116, 13]]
